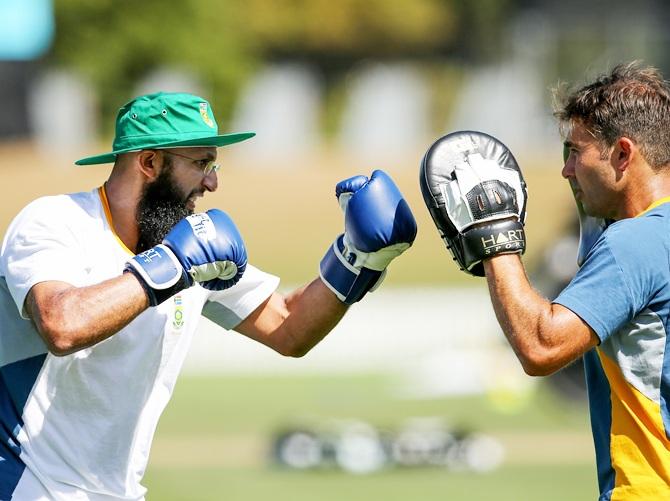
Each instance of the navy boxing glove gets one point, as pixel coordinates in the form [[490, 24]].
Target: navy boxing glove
[[378, 227], [206, 248]]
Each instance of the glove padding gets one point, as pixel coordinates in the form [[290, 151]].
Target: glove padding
[[476, 195], [378, 227], [206, 248]]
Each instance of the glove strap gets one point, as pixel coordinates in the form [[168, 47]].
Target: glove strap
[[159, 272], [346, 281], [488, 240]]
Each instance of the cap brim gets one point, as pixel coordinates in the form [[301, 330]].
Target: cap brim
[[220, 140]]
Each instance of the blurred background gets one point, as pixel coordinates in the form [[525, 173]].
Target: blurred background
[[415, 394]]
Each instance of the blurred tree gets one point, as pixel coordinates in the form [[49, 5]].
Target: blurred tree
[[356, 28], [482, 25], [114, 43]]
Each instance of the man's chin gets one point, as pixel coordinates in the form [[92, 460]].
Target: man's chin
[[595, 213]]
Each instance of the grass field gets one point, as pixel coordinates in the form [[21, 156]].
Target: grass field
[[213, 443], [543, 482]]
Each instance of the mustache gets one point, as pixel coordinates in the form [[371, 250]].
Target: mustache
[[195, 194]]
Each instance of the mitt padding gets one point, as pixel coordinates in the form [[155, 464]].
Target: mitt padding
[[476, 195]]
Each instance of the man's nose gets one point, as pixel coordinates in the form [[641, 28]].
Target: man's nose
[[568, 168], [211, 181]]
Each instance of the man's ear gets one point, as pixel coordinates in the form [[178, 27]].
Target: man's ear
[[624, 151], [149, 162]]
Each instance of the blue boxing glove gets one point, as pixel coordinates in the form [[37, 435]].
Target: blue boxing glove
[[206, 248], [378, 227]]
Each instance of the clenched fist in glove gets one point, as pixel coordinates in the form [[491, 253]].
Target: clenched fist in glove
[[476, 195], [206, 248], [378, 227]]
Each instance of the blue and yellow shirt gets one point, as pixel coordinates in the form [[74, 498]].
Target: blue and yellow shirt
[[623, 292]]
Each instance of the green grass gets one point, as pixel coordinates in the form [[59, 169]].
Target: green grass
[[239, 404], [214, 439], [546, 483]]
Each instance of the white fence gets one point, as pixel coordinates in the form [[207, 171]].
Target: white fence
[[435, 341]]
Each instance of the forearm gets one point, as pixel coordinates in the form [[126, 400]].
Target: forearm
[[72, 318], [313, 312], [378, 227], [539, 332], [294, 324]]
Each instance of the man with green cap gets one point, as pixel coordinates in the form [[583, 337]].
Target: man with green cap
[[101, 293]]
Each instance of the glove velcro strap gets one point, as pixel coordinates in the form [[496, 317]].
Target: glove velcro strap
[[487, 240], [347, 282], [159, 272]]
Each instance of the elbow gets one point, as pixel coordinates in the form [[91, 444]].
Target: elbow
[[59, 341], [294, 350], [536, 370], [61, 346], [538, 362], [50, 320], [61, 351], [293, 345]]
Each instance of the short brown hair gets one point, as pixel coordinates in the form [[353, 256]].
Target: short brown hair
[[631, 101]]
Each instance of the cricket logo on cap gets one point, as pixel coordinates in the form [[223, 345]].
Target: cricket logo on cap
[[205, 116]]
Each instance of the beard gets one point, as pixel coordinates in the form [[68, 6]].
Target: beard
[[161, 206]]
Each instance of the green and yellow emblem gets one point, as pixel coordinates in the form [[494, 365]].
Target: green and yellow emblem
[[205, 115], [178, 319]]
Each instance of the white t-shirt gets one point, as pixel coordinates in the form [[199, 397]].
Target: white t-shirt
[[82, 424]]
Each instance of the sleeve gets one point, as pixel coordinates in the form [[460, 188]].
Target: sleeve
[[615, 282], [40, 246], [229, 307]]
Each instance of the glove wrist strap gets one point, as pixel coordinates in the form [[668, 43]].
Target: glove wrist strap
[[347, 282], [488, 240], [159, 272]]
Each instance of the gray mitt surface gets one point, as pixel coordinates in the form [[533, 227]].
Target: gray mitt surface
[[476, 195]]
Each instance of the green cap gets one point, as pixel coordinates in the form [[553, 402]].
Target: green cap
[[165, 120]]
